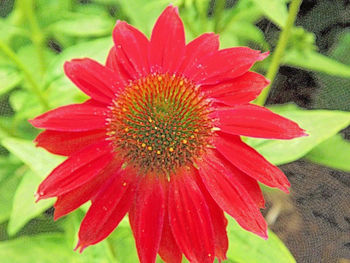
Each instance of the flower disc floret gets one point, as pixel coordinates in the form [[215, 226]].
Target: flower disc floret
[[160, 123]]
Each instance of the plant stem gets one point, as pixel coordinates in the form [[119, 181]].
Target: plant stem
[[218, 9], [280, 48], [32, 84], [37, 37]]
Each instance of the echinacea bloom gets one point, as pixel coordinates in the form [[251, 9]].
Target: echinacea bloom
[[159, 140]]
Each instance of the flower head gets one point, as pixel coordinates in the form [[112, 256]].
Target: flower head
[[160, 140]]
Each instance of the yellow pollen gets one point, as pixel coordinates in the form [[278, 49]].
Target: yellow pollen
[[158, 152], [196, 130], [149, 148], [192, 136], [124, 109], [160, 78], [184, 141], [171, 149], [124, 184], [126, 129], [143, 145], [181, 83], [149, 119]]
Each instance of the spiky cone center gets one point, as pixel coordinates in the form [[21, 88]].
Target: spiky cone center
[[160, 123]]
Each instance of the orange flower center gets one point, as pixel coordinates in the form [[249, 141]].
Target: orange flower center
[[160, 123]]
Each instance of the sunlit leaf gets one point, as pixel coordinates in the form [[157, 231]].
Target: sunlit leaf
[[24, 207], [275, 10], [9, 180], [319, 124], [81, 25], [9, 79], [249, 248], [334, 152], [314, 61], [39, 160]]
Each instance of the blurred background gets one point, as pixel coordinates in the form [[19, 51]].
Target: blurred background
[[313, 83]]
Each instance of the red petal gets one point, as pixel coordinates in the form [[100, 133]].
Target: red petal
[[224, 65], [76, 170], [204, 45], [69, 142], [190, 219], [219, 222], [250, 161], [249, 183], [72, 200], [147, 217], [231, 196], [74, 117], [97, 81], [131, 49], [168, 249], [255, 121], [113, 64], [167, 45], [240, 90], [108, 209]]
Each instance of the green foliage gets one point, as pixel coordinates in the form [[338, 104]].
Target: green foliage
[[334, 152], [275, 10], [38, 160], [24, 207], [319, 124], [249, 248]]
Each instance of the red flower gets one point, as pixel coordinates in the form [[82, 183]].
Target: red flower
[[160, 140]]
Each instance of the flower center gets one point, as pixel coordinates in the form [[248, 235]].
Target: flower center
[[160, 123]]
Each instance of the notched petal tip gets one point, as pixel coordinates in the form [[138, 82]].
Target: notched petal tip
[[80, 247], [38, 197]]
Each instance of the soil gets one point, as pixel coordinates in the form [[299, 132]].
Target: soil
[[314, 220]]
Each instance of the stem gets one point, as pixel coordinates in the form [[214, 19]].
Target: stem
[[38, 37], [280, 48], [219, 8], [32, 84]]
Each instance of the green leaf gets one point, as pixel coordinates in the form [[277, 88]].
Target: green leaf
[[275, 10], [319, 124], [39, 160], [123, 243], [9, 79], [24, 104], [244, 33], [334, 152], [249, 248], [24, 207], [50, 248], [37, 249], [82, 25], [311, 60], [9, 180]]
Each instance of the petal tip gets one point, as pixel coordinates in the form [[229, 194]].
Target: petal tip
[[264, 55], [80, 247], [37, 197]]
